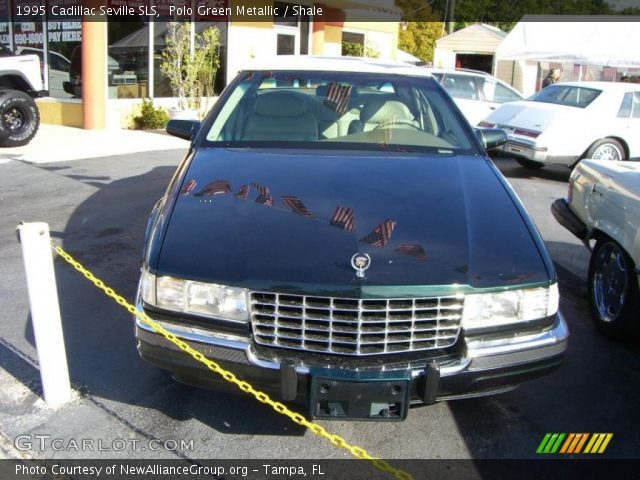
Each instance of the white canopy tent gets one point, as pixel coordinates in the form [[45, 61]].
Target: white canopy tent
[[574, 39]]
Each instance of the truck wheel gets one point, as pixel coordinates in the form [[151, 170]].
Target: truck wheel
[[606, 149], [19, 118], [613, 290], [530, 164]]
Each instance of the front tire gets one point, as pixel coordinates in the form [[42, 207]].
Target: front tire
[[607, 149], [529, 164], [19, 118], [614, 298]]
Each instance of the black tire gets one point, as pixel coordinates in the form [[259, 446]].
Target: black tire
[[614, 297], [607, 149], [19, 118], [529, 164]]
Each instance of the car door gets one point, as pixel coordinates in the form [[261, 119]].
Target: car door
[[629, 122]]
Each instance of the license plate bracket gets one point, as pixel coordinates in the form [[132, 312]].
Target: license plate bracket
[[348, 395]]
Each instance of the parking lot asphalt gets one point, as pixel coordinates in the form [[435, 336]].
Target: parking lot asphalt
[[97, 209]]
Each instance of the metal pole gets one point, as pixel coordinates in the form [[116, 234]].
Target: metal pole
[[451, 12], [45, 312]]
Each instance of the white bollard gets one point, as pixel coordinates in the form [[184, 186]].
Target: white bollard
[[45, 312]]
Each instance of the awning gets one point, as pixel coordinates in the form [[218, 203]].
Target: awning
[[574, 39]]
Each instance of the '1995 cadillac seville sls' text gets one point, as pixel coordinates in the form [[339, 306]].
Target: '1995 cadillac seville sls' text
[[337, 235]]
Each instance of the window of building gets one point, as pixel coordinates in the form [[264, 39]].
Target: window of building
[[292, 31], [161, 86], [5, 25], [128, 56], [64, 55], [131, 71], [353, 44]]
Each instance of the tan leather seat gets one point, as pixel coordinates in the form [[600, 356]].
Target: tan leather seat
[[381, 113], [280, 116]]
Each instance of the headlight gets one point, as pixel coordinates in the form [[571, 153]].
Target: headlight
[[148, 287], [483, 310], [207, 299]]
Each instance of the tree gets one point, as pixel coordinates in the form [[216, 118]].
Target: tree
[[191, 74], [420, 29], [353, 49], [419, 38]]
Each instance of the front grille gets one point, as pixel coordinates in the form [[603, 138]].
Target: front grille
[[349, 326]]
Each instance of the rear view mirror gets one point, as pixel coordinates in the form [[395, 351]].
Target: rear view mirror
[[491, 137], [186, 129]]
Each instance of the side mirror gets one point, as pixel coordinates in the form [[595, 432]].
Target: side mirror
[[491, 137], [186, 129]]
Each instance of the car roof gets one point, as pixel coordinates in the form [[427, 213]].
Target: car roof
[[605, 86], [461, 71], [335, 64]]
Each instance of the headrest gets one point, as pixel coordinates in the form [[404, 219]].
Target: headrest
[[381, 111], [280, 104], [323, 90]]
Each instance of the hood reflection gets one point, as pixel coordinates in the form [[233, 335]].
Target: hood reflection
[[243, 192], [188, 187], [380, 235], [264, 195], [342, 218], [217, 187], [415, 251], [296, 205]]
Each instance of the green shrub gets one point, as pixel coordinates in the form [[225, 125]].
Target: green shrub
[[151, 118]]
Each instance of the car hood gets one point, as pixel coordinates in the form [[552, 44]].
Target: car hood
[[292, 222], [535, 116]]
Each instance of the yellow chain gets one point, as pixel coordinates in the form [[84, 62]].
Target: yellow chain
[[246, 387]]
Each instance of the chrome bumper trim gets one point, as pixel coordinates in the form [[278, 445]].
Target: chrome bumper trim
[[199, 335], [557, 335]]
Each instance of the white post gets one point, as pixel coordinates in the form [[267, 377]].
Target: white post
[[45, 311]]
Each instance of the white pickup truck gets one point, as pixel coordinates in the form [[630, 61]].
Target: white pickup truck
[[603, 210], [20, 82]]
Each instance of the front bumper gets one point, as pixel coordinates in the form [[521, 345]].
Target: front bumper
[[569, 220], [484, 367], [39, 93]]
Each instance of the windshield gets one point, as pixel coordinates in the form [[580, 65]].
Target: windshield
[[337, 110], [567, 95]]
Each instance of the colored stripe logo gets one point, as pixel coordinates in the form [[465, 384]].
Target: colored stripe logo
[[593, 443]]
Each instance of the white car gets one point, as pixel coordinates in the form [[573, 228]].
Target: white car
[[566, 122], [476, 94], [603, 210]]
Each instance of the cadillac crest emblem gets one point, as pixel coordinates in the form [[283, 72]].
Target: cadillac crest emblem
[[360, 262]]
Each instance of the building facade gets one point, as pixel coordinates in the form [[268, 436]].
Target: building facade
[[98, 68]]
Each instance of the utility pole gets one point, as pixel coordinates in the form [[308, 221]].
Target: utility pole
[[451, 6]]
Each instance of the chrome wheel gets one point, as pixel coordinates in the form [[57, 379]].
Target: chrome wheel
[[607, 151], [609, 282], [13, 119]]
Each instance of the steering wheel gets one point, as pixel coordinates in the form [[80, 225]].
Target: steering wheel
[[399, 121]]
